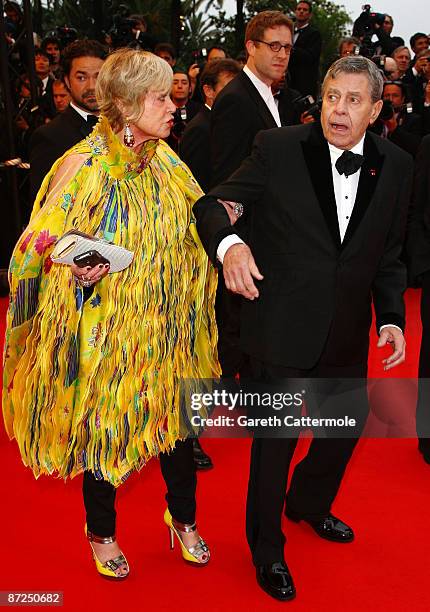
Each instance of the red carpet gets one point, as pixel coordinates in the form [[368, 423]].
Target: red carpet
[[385, 496]]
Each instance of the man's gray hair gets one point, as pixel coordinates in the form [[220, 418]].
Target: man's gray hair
[[356, 64]]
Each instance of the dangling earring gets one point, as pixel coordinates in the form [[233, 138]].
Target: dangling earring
[[128, 135]]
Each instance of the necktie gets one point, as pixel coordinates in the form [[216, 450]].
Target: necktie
[[91, 121], [348, 163]]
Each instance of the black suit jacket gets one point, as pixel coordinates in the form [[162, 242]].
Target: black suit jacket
[[51, 141], [238, 114], [303, 66], [194, 147], [316, 294], [418, 235], [288, 113], [408, 134]]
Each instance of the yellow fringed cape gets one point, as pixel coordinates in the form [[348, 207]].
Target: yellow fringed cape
[[94, 385]]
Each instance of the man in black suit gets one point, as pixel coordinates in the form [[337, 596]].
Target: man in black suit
[[418, 251], [243, 108], [327, 206], [305, 59], [82, 60], [246, 105], [195, 144], [186, 108], [403, 128]]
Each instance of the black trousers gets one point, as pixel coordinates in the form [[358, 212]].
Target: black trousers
[[423, 403], [316, 479], [179, 473]]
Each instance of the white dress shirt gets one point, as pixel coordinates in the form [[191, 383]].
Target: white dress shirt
[[297, 32], [345, 187], [81, 112], [266, 93]]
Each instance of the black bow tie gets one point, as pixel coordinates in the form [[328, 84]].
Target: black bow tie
[[92, 120], [348, 163]]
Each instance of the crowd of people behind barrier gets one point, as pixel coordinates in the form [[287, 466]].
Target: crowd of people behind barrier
[[405, 117]]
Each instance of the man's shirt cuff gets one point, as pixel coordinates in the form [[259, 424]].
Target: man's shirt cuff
[[389, 325], [225, 244]]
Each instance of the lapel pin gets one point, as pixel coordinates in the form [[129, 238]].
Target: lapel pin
[[372, 172]]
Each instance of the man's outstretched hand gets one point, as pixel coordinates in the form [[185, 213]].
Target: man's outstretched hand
[[240, 270], [392, 335]]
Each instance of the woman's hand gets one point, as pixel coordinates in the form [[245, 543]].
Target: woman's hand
[[88, 276]]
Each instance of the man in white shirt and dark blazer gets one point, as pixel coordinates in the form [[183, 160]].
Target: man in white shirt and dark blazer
[[327, 208], [244, 107]]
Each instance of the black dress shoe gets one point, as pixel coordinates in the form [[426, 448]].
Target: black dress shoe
[[424, 448], [276, 580], [329, 527], [202, 461]]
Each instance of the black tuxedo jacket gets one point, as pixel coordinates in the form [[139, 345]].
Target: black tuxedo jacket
[[238, 114], [303, 66], [288, 113], [418, 235], [316, 294], [51, 141], [194, 147]]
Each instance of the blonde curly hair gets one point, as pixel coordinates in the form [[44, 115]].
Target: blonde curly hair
[[127, 76]]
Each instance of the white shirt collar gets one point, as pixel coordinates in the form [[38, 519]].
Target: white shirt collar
[[335, 153], [264, 90], [81, 112], [297, 29]]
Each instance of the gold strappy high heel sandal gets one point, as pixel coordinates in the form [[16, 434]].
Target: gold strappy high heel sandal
[[195, 554], [107, 569]]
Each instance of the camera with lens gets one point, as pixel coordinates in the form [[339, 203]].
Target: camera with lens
[[307, 104], [379, 60], [365, 26], [367, 22], [387, 111], [64, 34], [179, 123], [200, 57]]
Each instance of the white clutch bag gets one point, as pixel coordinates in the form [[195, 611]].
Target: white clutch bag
[[75, 247]]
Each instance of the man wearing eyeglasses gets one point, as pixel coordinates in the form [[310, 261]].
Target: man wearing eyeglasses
[[304, 64], [242, 109]]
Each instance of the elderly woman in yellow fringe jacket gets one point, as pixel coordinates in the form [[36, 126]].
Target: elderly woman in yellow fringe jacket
[[93, 361]]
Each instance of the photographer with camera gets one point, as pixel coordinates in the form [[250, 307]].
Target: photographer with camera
[[396, 122], [202, 57], [130, 31], [370, 24], [186, 109], [349, 46], [419, 42], [417, 79]]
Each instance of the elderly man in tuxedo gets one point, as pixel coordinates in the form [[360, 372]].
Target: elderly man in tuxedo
[[327, 206]]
